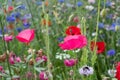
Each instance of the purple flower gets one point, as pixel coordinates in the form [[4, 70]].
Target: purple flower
[[79, 4], [101, 25], [111, 52], [19, 29], [10, 19], [60, 39], [26, 25], [108, 4], [86, 70]]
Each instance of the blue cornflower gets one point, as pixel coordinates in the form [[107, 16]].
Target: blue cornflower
[[111, 52], [16, 14], [112, 27], [10, 19], [109, 16], [79, 4], [108, 4], [61, 1], [101, 25], [60, 39], [26, 25], [19, 29]]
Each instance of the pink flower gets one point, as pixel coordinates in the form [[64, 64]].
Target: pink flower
[[42, 76], [29, 75], [70, 62], [38, 58], [76, 19], [73, 42], [11, 60], [1, 68], [18, 59], [44, 58], [8, 38], [91, 1], [26, 35]]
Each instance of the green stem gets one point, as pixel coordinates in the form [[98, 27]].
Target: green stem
[[7, 51], [98, 17], [47, 43]]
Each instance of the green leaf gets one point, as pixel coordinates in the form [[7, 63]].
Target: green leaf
[[4, 75], [39, 69], [38, 62], [28, 57]]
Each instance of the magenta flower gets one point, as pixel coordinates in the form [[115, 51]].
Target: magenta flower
[[38, 58], [18, 59], [11, 60], [42, 76], [29, 75], [1, 68], [44, 58], [73, 42], [70, 62], [26, 35], [8, 38]]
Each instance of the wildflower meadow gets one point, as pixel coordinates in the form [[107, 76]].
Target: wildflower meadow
[[59, 39]]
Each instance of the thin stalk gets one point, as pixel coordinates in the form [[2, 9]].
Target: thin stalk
[[104, 3], [7, 52], [98, 17], [48, 45]]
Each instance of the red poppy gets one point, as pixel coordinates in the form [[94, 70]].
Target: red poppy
[[118, 71], [73, 30], [100, 46], [10, 8]]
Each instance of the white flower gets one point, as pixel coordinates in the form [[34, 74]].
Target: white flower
[[94, 34], [112, 73], [62, 56], [86, 70], [90, 7]]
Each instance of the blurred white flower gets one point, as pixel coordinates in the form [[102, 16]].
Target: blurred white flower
[[90, 7], [94, 34], [91, 1], [112, 73]]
